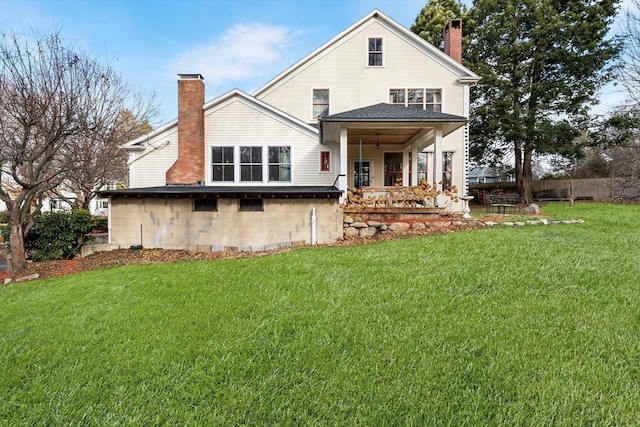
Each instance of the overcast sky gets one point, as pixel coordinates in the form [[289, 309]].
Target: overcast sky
[[232, 43]]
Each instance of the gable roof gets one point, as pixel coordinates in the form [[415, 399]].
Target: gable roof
[[465, 76], [138, 144]]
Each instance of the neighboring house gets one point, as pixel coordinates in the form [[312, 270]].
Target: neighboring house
[[376, 106], [487, 175]]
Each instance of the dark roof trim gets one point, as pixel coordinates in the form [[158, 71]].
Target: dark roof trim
[[219, 192], [392, 113]]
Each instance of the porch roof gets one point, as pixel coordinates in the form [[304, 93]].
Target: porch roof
[[384, 112], [206, 191], [387, 123]]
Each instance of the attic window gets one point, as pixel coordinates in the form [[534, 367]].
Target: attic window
[[375, 51], [320, 103]]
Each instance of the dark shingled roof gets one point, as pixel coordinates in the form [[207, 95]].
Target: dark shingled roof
[[204, 191], [392, 113]]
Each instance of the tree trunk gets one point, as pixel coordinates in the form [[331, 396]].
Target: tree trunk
[[17, 260], [518, 165], [527, 176]]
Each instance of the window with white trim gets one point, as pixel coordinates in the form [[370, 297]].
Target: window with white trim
[[56, 204], [325, 161], [320, 103], [421, 99], [279, 164], [102, 204], [251, 164], [222, 164], [375, 51]]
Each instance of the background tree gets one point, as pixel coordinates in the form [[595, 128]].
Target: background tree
[[542, 63], [433, 17], [100, 160], [52, 96], [631, 55]]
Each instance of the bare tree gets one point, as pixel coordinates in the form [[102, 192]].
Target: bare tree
[[631, 54], [53, 97], [100, 159]]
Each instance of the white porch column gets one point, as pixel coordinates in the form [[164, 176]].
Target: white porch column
[[437, 160], [344, 166], [406, 166], [414, 164]]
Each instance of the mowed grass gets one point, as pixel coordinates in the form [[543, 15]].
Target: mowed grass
[[536, 325]]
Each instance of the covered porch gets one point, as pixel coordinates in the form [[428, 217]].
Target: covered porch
[[386, 146]]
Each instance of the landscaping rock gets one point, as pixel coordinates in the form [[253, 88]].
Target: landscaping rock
[[376, 224], [359, 224], [347, 220], [398, 226], [351, 232], [368, 232], [418, 226], [532, 209], [441, 224]]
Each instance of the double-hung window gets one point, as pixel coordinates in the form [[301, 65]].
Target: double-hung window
[[325, 161], [375, 52], [279, 164], [433, 100], [415, 98], [222, 164], [320, 103], [251, 164]]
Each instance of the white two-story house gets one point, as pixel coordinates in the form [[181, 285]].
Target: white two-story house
[[374, 108]]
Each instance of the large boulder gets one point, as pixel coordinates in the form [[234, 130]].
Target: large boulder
[[532, 209]]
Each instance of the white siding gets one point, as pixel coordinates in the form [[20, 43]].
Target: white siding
[[148, 168], [343, 68], [236, 123]]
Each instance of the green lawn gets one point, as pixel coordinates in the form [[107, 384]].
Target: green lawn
[[536, 325]]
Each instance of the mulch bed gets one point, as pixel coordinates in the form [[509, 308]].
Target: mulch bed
[[118, 257]]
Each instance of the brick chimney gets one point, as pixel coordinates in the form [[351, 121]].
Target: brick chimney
[[453, 39], [189, 168]]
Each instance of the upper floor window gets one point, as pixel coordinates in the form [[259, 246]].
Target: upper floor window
[[222, 162], [421, 99], [433, 100], [279, 164], [375, 52], [251, 164], [320, 103], [325, 161]]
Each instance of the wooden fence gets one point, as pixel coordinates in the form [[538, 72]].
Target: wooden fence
[[560, 189]]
